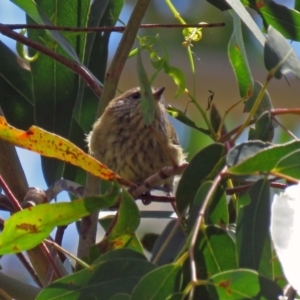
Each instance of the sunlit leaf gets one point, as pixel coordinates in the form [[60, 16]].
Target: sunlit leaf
[[29, 227], [148, 108], [241, 11], [182, 117], [178, 76], [284, 19], [52, 145], [276, 159], [242, 284], [126, 224], [238, 59], [210, 257]]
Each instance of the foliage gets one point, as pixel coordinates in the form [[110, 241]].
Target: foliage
[[221, 246]]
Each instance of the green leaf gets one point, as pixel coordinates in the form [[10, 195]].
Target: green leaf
[[101, 281], [281, 159], [178, 76], [279, 56], [264, 128], [283, 19], [217, 213], [215, 252], [102, 13], [126, 224], [54, 85], [37, 14], [241, 11], [119, 253], [29, 227], [172, 248], [242, 284], [215, 120], [203, 166], [148, 108], [159, 283], [181, 116], [238, 59], [297, 5], [16, 90], [252, 233], [265, 104], [289, 165]]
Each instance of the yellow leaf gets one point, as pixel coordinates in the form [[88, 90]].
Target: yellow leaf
[[52, 145]]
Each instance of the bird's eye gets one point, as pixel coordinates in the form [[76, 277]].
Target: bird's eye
[[136, 96]]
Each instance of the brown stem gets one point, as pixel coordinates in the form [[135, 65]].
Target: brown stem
[[109, 28], [89, 224], [10, 195]]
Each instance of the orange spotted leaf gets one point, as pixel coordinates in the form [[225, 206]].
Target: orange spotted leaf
[[52, 145]]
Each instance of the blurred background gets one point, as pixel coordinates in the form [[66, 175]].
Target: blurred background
[[213, 72]]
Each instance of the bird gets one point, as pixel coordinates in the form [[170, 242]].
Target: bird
[[122, 141]]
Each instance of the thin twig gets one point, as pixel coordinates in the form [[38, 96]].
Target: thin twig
[[10, 195], [29, 268], [62, 250], [155, 179], [198, 223], [50, 259], [167, 242], [89, 224], [109, 28], [74, 66]]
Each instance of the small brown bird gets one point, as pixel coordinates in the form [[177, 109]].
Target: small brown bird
[[121, 140]]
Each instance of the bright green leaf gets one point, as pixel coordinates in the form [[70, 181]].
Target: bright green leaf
[[126, 224], [276, 158], [178, 76], [238, 59], [148, 108], [182, 117], [242, 284], [29, 227]]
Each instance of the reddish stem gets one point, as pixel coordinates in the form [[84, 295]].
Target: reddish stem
[[10, 195]]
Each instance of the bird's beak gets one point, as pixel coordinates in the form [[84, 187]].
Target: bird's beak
[[157, 94]]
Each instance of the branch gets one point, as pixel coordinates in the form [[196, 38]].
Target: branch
[[74, 66], [89, 224], [108, 28]]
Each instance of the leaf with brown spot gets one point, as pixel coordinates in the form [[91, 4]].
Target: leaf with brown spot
[[29, 227], [53, 145]]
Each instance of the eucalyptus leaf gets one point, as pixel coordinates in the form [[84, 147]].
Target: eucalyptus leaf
[[252, 232], [238, 59], [279, 56]]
